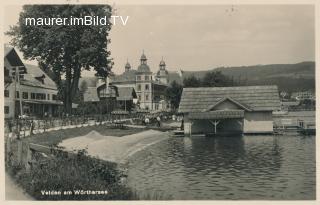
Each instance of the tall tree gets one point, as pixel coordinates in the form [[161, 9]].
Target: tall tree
[[65, 49], [173, 94]]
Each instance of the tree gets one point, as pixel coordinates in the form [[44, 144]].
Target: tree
[[216, 79], [173, 94], [191, 82], [65, 49]]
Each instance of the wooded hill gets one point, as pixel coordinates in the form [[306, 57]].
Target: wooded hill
[[288, 77]]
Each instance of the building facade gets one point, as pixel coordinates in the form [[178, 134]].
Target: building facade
[[34, 94], [150, 87], [304, 95]]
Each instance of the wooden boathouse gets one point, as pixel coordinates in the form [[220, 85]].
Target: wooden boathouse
[[229, 110]]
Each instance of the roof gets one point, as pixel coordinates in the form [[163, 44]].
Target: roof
[[106, 93], [33, 75], [255, 98], [143, 57], [218, 114], [126, 93], [34, 72], [128, 66], [162, 72], [12, 56], [91, 95], [129, 75], [143, 68], [162, 63]]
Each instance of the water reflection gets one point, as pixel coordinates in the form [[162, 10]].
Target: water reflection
[[250, 167]]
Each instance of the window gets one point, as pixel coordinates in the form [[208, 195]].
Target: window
[[40, 96], [54, 97], [139, 87], [25, 95], [6, 93], [146, 77], [17, 94], [33, 96], [147, 97], [138, 77], [139, 97], [6, 110], [147, 87], [48, 97], [6, 71]]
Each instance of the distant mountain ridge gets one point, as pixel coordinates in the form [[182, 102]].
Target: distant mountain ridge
[[288, 77]]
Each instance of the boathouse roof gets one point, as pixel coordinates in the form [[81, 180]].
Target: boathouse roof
[[218, 114], [250, 98]]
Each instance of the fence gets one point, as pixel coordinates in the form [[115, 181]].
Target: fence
[[26, 127]]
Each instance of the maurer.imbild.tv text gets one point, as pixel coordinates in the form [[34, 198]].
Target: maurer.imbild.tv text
[[77, 21]]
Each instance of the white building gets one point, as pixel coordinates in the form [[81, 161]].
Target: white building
[[36, 91], [150, 87]]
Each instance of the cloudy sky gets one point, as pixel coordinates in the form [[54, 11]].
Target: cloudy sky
[[199, 37]]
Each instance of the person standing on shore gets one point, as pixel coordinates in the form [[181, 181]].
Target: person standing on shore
[[158, 121]]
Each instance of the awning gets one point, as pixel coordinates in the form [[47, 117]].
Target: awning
[[218, 114]]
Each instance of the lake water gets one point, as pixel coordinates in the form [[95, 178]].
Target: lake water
[[221, 168]]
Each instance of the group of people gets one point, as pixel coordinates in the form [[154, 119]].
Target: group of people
[[146, 121]]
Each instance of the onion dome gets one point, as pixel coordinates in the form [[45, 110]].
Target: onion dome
[[143, 68], [143, 57], [162, 63], [127, 66]]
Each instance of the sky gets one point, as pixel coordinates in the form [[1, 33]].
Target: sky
[[200, 37]]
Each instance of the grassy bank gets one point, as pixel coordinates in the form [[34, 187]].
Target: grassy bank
[[64, 176], [60, 172]]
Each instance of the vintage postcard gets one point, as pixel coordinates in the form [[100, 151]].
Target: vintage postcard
[[203, 102]]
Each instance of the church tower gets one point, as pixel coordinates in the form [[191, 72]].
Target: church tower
[[162, 74], [127, 66]]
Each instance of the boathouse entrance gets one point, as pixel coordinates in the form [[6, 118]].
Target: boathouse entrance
[[218, 122]]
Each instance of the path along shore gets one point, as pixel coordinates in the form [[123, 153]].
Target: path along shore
[[13, 191]]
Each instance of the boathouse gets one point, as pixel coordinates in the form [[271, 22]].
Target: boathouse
[[229, 110]]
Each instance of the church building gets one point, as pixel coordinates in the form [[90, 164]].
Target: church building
[[150, 87]]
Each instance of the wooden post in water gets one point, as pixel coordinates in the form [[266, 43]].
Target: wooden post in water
[[215, 123]]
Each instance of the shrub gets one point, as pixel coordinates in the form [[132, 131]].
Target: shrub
[[69, 173]]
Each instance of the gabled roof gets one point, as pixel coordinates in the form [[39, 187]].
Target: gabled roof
[[256, 98], [12, 56], [34, 72], [245, 107]]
